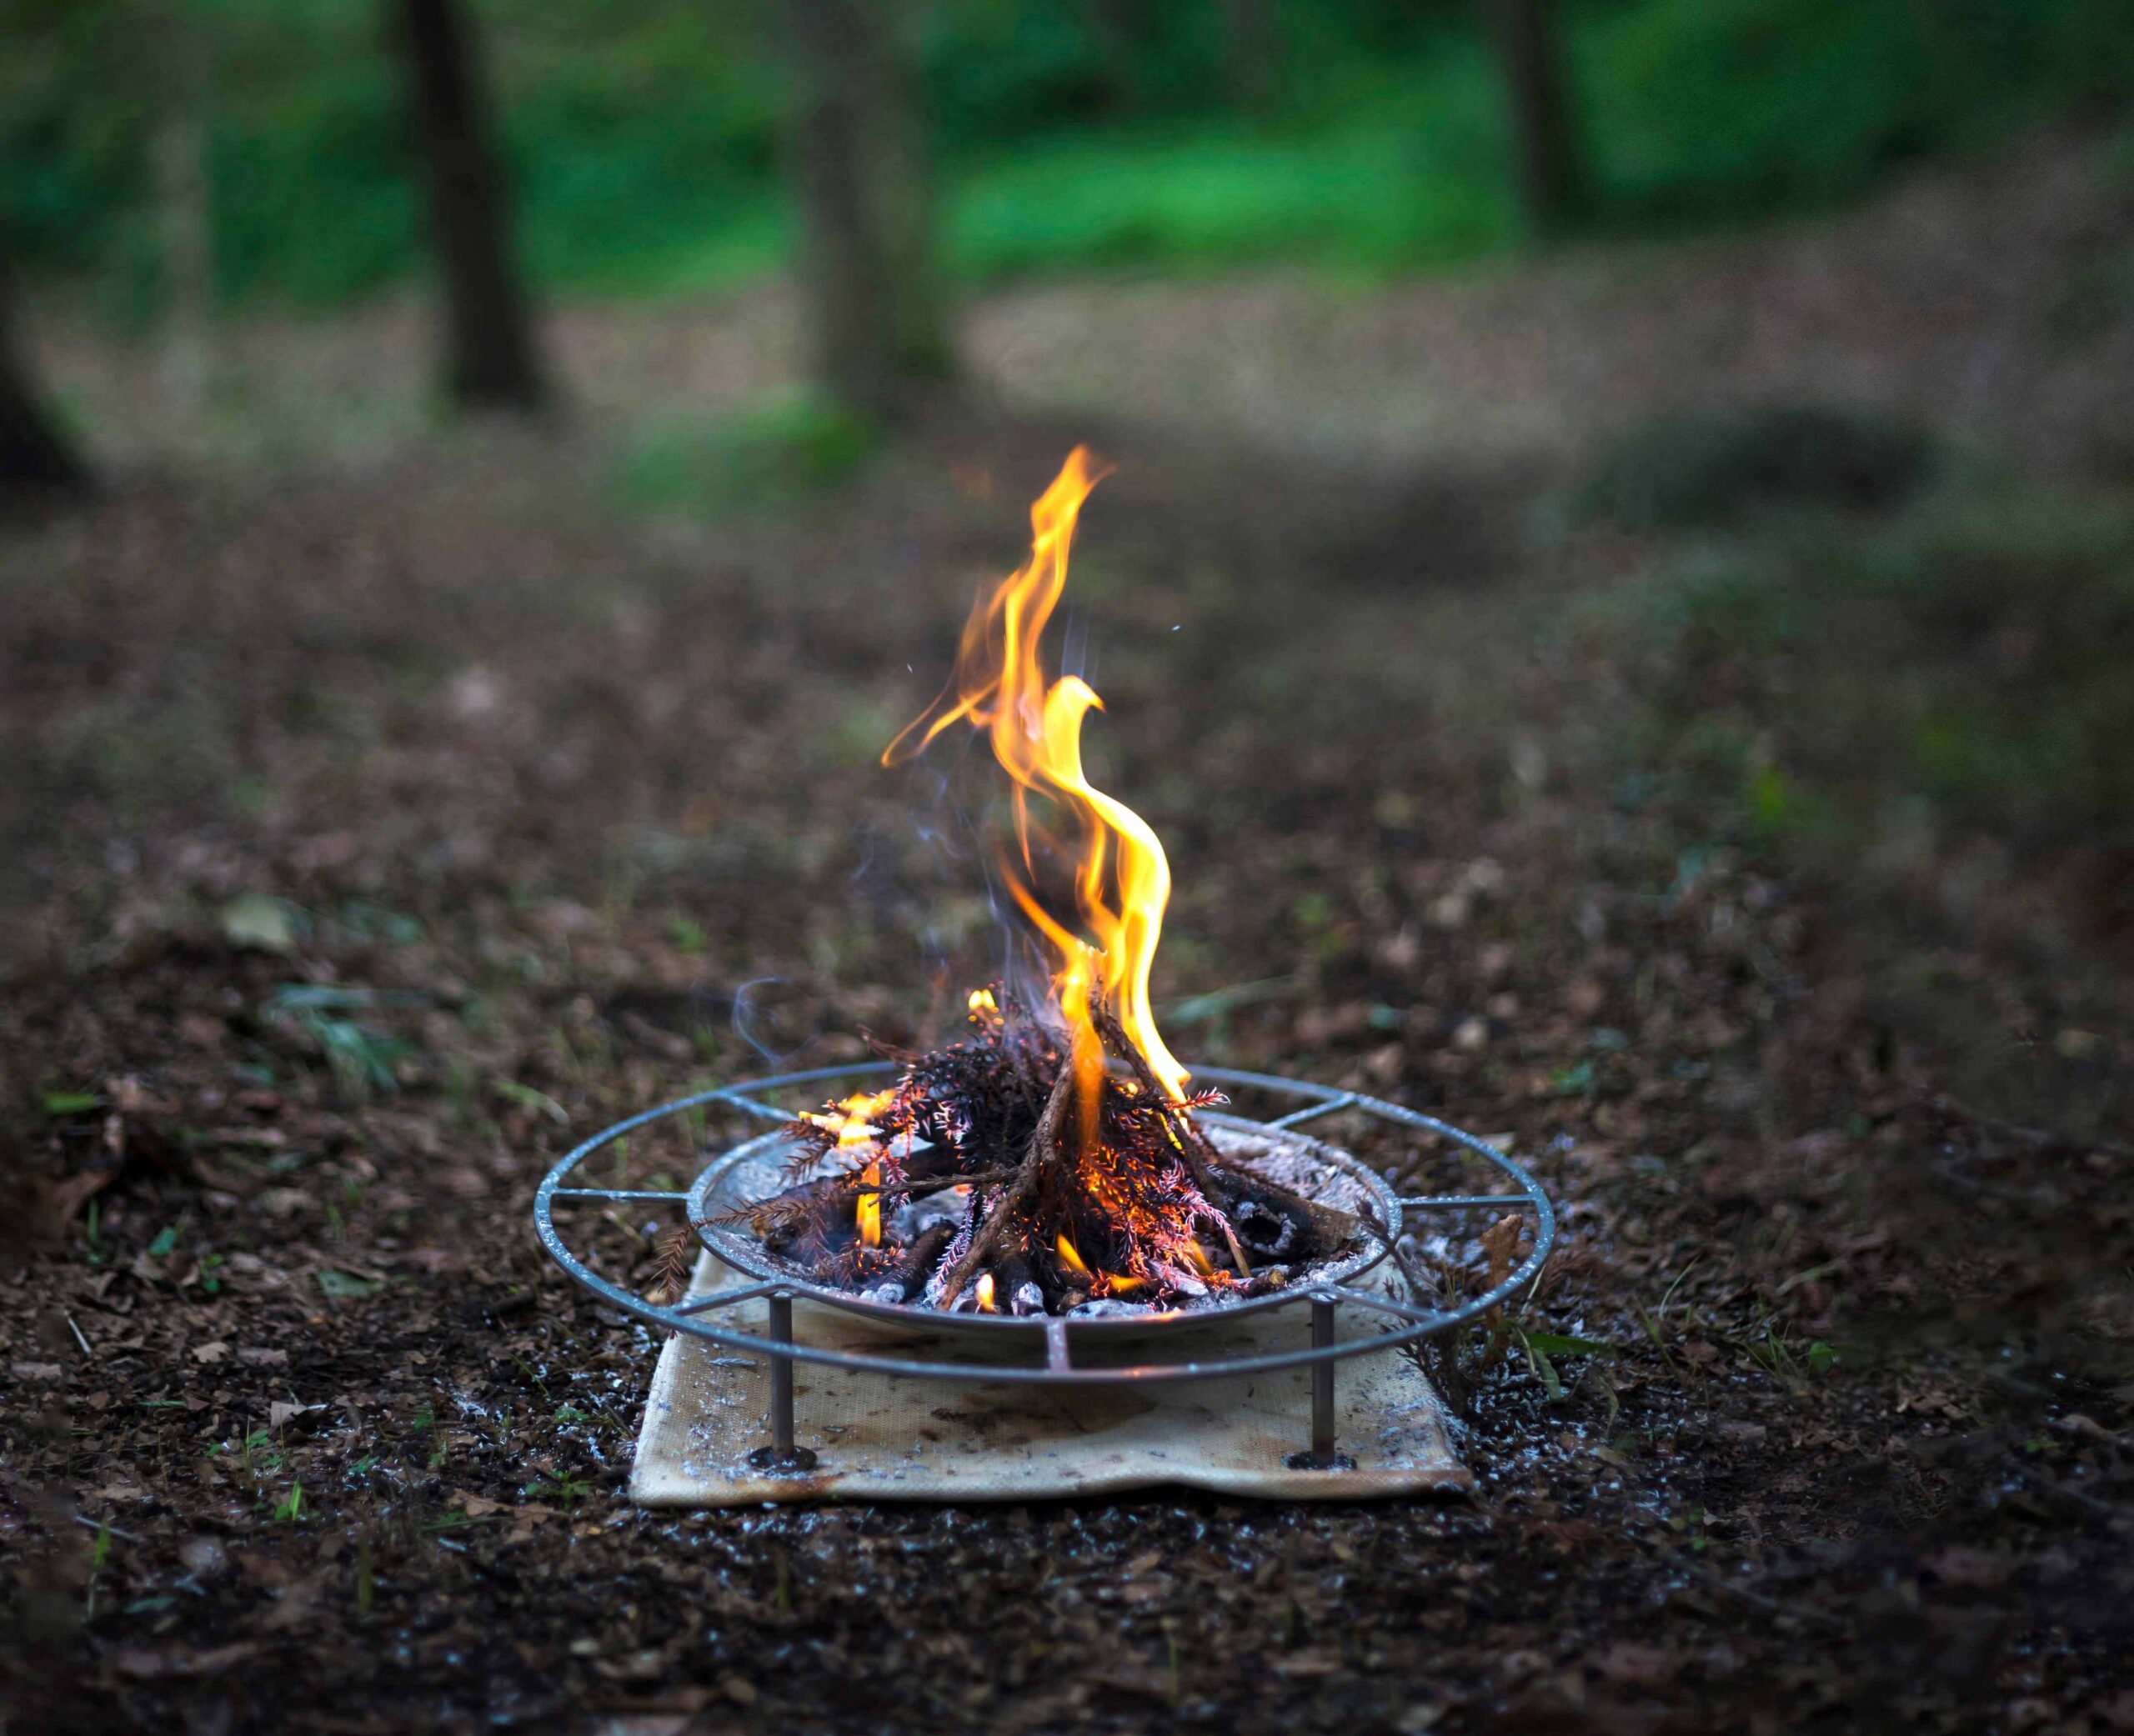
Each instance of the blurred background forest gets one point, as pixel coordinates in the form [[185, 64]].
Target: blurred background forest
[[645, 138], [1819, 309], [1731, 279], [191, 167]]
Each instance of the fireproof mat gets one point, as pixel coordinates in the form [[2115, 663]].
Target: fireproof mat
[[877, 1439]]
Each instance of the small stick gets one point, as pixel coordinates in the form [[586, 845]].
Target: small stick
[[1044, 1143], [926, 1248]]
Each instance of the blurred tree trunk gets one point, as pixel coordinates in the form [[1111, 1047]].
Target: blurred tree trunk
[[1552, 176], [33, 457], [179, 157], [876, 305], [1119, 26], [489, 346], [1251, 55]]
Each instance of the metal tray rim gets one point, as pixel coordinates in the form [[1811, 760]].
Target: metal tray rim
[[746, 1255]]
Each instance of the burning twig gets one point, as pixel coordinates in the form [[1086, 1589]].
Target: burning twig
[[1043, 1149]]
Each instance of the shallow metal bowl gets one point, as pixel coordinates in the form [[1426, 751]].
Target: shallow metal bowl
[[754, 1171]]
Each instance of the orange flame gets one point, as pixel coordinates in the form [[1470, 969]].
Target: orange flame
[[1122, 880]]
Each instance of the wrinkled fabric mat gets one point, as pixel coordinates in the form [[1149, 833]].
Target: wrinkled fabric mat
[[882, 1439]]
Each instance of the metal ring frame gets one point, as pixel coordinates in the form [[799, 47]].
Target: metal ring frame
[[1409, 1323]]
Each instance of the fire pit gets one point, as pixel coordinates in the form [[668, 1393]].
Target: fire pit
[[1055, 1351], [1054, 1179]]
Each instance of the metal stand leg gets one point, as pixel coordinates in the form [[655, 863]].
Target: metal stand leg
[[1323, 1455], [781, 1454]]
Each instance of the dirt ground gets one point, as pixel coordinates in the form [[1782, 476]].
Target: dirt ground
[[377, 828]]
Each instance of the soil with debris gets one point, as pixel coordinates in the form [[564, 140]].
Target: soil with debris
[[375, 831]]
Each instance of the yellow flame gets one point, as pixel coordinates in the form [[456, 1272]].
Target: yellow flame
[[1068, 1257], [985, 1294], [853, 1120], [869, 1212], [1123, 881]]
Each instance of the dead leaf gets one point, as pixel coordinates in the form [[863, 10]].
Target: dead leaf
[[294, 1607], [646, 1665], [203, 1556], [525, 1517], [1302, 1664], [215, 1350], [1500, 1244], [145, 1664], [1637, 1666], [1972, 1569], [254, 922]]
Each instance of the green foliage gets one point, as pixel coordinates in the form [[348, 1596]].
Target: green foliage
[[527, 1096], [1727, 108], [645, 137], [344, 1287], [363, 1058]]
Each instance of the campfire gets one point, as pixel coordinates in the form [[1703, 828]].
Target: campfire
[[1049, 1161]]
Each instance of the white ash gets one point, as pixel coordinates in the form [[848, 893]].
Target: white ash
[[914, 1215]]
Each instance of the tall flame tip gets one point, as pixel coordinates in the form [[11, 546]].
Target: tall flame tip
[[1122, 882]]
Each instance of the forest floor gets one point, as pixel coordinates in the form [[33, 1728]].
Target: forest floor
[[382, 822]]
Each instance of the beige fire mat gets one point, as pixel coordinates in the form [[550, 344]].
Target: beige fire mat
[[882, 1439]]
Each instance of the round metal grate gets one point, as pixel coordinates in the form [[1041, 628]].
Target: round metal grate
[[1404, 1323]]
